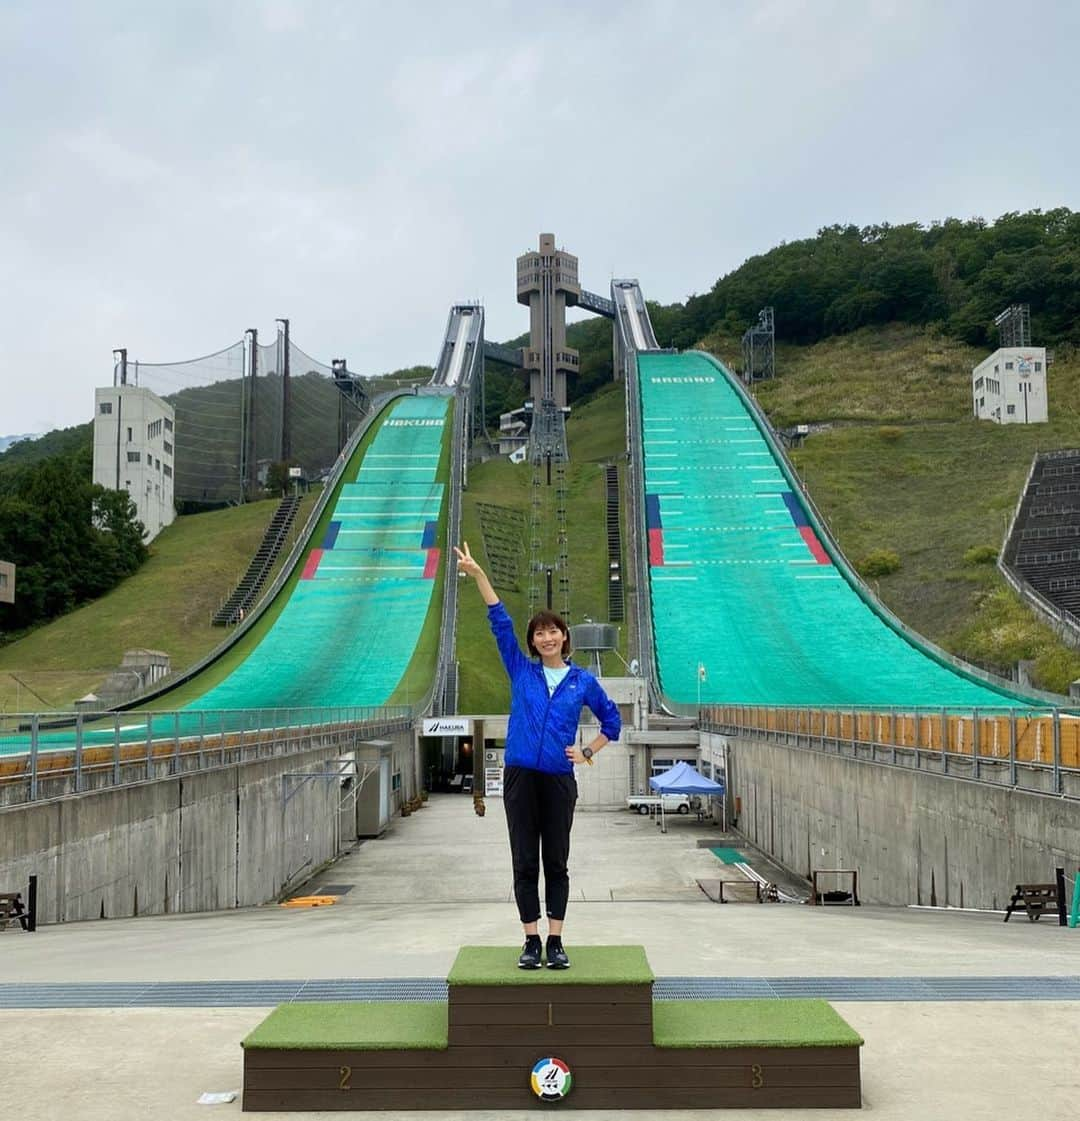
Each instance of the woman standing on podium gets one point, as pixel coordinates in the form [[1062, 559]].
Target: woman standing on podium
[[539, 789]]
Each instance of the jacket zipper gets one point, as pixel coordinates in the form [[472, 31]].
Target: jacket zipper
[[543, 727]]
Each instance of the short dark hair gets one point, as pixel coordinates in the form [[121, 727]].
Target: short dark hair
[[547, 619]]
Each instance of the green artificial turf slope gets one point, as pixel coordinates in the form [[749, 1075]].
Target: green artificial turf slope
[[353, 1025], [590, 965], [750, 1023]]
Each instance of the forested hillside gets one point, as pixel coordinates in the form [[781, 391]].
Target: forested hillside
[[954, 275], [70, 540]]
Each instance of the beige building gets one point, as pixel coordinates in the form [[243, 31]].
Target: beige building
[[134, 440], [1009, 387], [7, 582]]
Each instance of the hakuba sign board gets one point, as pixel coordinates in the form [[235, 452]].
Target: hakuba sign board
[[447, 726]]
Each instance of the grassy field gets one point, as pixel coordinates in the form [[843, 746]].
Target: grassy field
[[900, 464], [596, 434], [194, 564]]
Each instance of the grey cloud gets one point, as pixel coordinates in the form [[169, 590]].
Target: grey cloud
[[174, 174]]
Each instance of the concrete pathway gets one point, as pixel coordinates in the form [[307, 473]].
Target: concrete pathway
[[441, 878]]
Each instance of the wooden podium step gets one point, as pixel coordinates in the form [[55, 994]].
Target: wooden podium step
[[613, 1047]]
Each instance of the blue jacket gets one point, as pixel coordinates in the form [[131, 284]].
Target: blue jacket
[[542, 727]]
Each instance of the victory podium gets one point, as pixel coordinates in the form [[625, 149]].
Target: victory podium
[[590, 1037]]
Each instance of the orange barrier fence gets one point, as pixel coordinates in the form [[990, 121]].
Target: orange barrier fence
[[1025, 737]]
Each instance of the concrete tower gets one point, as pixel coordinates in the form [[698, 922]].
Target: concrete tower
[[547, 282]]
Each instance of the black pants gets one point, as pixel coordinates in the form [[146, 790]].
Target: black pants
[[539, 813]]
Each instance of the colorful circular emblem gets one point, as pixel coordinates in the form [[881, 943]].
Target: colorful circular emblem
[[551, 1080]]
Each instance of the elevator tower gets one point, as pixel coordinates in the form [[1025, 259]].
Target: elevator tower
[[547, 283]]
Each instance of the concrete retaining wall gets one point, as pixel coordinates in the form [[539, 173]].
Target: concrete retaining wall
[[208, 840], [914, 836]]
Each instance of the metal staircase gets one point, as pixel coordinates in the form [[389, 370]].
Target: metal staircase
[[251, 583], [616, 599]]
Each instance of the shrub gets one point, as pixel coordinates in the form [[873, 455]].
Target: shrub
[[981, 554], [890, 433], [1056, 667], [878, 562]]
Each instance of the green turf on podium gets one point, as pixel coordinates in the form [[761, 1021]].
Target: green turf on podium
[[624, 1050]]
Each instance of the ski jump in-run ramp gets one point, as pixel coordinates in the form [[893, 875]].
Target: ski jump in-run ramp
[[343, 629], [751, 603]]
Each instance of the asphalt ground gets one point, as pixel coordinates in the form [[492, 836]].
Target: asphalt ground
[[440, 879]]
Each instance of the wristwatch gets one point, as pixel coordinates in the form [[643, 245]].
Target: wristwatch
[[587, 752]]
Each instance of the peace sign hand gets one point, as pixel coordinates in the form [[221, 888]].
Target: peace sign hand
[[466, 563]]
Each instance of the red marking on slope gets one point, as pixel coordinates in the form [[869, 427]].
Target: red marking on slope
[[656, 548], [431, 565], [814, 545], [311, 564]]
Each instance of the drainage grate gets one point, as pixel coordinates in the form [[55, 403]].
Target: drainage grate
[[869, 988], [216, 994], [245, 994]]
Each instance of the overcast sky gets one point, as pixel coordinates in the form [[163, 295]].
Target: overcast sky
[[174, 173]]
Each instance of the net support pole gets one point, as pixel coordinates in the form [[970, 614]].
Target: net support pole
[[286, 424], [249, 476]]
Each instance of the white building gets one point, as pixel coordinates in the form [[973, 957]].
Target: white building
[[1009, 387], [133, 451]]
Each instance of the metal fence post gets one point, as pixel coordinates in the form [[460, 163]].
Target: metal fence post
[[1012, 748], [149, 743], [34, 756], [944, 741], [78, 751], [976, 745], [1057, 751], [116, 750]]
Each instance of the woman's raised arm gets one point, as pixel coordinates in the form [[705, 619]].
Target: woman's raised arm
[[469, 566]]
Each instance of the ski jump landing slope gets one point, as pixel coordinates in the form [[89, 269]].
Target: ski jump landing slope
[[353, 613], [743, 584]]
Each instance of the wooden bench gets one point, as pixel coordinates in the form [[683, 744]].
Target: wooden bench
[[12, 911], [1039, 899]]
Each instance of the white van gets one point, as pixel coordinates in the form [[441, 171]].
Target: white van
[[650, 803]]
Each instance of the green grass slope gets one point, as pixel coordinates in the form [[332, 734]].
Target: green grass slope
[[899, 464], [596, 434], [194, 564]]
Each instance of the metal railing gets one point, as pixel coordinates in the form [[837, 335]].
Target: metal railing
[[637, 547], [1030, 749], [61, 755], [1056, 616], [448, 633]]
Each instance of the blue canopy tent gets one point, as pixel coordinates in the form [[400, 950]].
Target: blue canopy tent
[[684, 779]]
